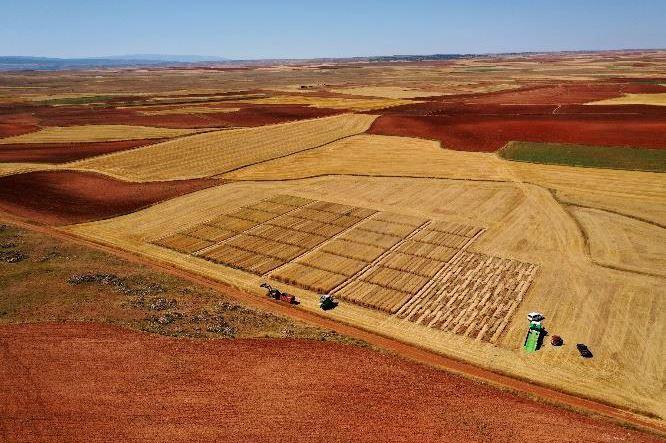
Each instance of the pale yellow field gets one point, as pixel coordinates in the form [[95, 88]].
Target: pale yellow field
[[658, 99], [352, 104], [641, 194], [624, 242], [614, 312], [394, 92], [95, 133], [221, 151]]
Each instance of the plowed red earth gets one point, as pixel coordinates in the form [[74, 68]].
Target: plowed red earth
[[65, 152], [86, 382], [17, 124], [489, 133], [246, 116], [65, 197], [570, 93]]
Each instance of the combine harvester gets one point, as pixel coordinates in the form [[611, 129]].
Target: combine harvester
[[276, 294], [535, 333]]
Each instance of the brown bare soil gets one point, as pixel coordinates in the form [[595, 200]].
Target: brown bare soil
[[65, 152], [65, 197], [77, 382], [488, 133]]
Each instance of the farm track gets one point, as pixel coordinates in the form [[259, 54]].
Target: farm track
[[543, 393]]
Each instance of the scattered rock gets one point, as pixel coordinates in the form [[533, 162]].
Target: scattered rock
[[103, 279], [167, 318], [12, 256], [161, 304], [8, 245], [49, 256]]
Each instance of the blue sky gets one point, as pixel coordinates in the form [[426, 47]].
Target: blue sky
[[302, 29]]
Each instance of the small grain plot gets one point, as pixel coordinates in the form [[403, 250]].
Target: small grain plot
[[183, 243], [306, 277]]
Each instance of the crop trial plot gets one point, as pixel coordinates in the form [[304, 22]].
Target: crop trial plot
[[414, 268]]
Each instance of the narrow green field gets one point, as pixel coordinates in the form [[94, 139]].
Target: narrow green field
[[638, 159]]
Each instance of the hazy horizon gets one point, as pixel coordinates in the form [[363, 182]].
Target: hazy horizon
[[298, 29]]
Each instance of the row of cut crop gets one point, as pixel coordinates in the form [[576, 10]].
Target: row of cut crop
[[287, 236], [182, 243], [333, 263], [242, 259], [475, 296], [306, 277], [373, 296]]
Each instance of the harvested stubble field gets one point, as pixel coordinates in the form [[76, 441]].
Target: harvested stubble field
[[218, 152], [94, 133]]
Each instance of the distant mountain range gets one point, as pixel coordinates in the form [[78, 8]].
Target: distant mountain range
[[12, 63], [18, 63]]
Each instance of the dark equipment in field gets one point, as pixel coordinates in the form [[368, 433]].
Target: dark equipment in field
[[584, 350], [556, 340], [327, 302], [276, 294]]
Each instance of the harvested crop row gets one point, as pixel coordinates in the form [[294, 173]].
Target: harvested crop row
[[312, 279], [358, 251], [94, 133], [455, 228], [309, 226], [259, 245], [242, 259], [218, 152], [374, 296], [274, 208], [339, 209], [474, 296], [394, 279], [252, 215], [427, 250], [183, 243], [441, 238], [382, 227], [231, 223], [333, 263], [209, 233], [371, 238], [400, 219], [289, 200], [422, 266], [287, 236]]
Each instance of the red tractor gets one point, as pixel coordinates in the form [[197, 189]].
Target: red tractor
[[276, 294]]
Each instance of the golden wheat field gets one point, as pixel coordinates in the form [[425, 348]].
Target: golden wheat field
[[95, 133], [223, 151]]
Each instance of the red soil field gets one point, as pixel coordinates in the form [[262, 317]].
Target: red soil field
[[65, 152], [490, 131], [570, 93], [87, 382], [248, 115], [66, 197], [17, 124]]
